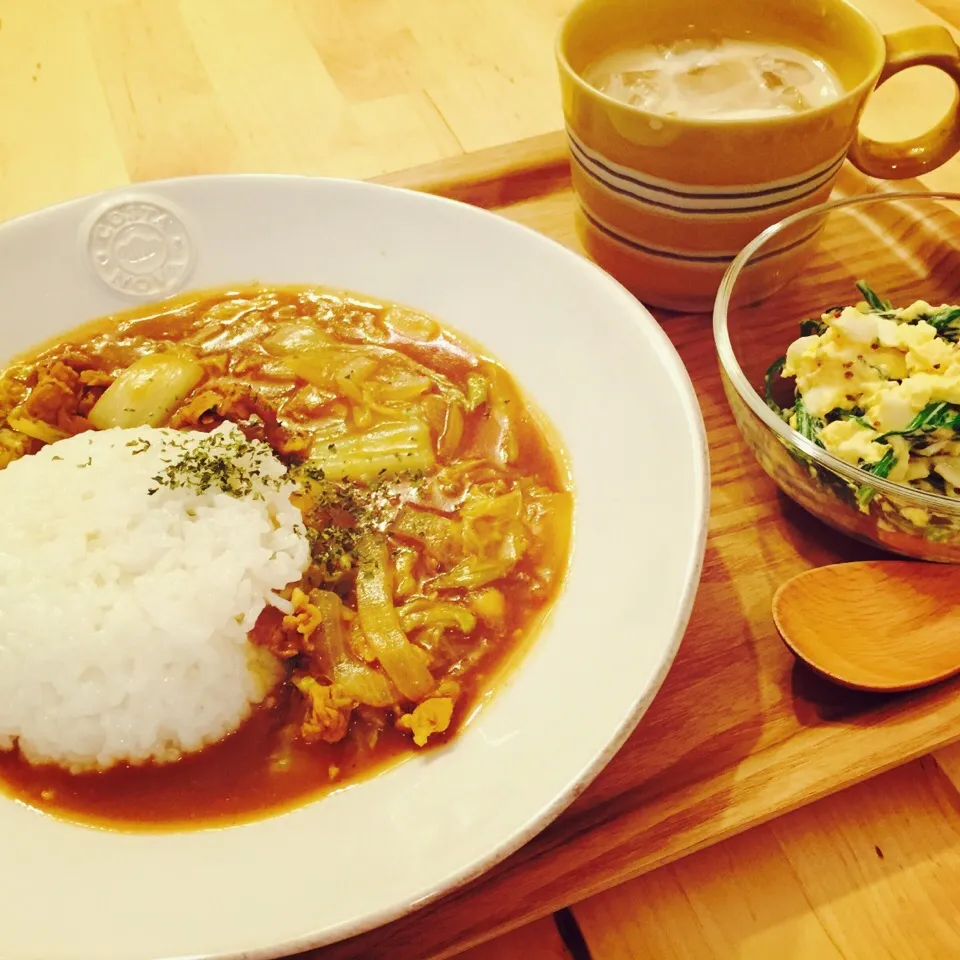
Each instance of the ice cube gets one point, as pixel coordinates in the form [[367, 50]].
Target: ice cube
[[792, 99], [613, 86], [720, 77], [772, 80], [641, 78], [645, 89], [781, 72]]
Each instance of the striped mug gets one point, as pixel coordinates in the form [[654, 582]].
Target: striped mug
[[666, 202]]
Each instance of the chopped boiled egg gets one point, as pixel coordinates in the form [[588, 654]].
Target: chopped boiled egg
[[882, 389]]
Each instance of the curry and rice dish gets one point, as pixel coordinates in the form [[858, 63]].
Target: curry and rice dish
[[256, 544]]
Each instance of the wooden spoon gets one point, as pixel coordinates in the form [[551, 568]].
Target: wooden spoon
[[876, 625]]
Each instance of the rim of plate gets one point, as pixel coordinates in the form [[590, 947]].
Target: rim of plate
[[680, 379]]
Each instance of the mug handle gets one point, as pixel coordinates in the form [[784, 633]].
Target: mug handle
[[929, 45]]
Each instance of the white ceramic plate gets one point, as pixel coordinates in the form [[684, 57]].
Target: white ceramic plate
[[602, 370]]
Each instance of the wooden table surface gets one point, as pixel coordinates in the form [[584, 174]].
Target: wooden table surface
[[98, 93]]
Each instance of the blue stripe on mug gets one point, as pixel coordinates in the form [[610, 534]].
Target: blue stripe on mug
[[684, 257], [682, 199], [726, 212]]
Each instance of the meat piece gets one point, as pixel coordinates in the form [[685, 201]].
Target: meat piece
[[305, 617], [269, 632], [432, 715], [240, 404], [429, 717], [95, 378], [55, 400], [58, 389], [94, 383], [328, 711], [82, 362], [207, 409]]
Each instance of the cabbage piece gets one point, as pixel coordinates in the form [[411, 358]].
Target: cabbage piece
[[362, 682], [496, 435], [448, 485], [440, 536], [329, 429], [405, 559], [147, 392], [489, 604], [496, 507], [548, 515], [359, 644], [449, 440], [404, 663], [494, 537], [296, 338], [386, 448], [370, 405], [477, 571], [326, 363], [402, 387], [478, 387], [436, 613], [489, 520], [334, 369], [35, 429], [410, 325], [302, 340], [357, 680]]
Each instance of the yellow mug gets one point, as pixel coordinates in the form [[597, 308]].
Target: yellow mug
[[665, 203]]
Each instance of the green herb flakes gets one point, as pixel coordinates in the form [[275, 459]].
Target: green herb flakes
[[220, 461]]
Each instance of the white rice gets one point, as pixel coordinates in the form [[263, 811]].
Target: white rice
[[124, 614]]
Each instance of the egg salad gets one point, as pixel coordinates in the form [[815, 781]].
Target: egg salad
[[879, 387]]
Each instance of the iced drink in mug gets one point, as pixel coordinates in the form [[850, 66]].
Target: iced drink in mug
[[716, 78], [694, 126]]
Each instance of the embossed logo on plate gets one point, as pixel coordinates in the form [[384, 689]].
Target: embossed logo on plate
[[140, 247]]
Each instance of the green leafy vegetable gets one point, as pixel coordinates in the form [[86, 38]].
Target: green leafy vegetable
[[934, 416], [883, 466], [839, 414], [806, 424], [876, 303], [944, 321], [944, 317], [881, 469], [809, 328], [773, 371]]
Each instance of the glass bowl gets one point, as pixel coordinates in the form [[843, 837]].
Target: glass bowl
[[907, 247]]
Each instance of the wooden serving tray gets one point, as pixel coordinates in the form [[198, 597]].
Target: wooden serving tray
[[740, 732]]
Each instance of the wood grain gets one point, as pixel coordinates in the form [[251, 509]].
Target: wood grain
[[872, 873], [948, 759], [539, 940]]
